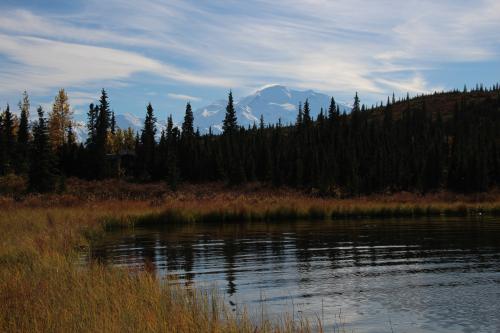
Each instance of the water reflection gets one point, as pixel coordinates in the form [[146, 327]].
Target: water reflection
[[419, 275]]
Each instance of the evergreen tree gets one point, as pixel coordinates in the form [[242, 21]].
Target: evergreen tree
[[41, 176], [408, 146], [101, 138], [113, 123], [332, 110], [188, 124], [92, 115], [148, 142], [307, 113], [69, 153], [230, 123], [23, 136], [300, 116], [8, 142], [187, 152], [172, 167], [355, 105]]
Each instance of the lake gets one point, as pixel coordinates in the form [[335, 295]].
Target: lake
[[422, 275]]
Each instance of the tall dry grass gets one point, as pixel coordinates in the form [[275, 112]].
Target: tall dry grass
[[44, 288]]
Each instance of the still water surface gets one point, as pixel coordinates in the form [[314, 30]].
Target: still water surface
[[440, 275]]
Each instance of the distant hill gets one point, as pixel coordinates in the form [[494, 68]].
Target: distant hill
[[442, 102]]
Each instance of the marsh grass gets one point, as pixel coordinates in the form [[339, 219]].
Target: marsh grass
[[210, 212], [45, 288]]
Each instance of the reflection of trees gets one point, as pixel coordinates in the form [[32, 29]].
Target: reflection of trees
[[188, 255], [146, 246], [243, 245], [229, 251], [172, 257]]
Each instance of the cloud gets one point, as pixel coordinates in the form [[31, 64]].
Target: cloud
[[183, 97], [416, 84], [40, 64], [334, 46], [80, 98], [23, 22]]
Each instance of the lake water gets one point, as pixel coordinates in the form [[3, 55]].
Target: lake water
[[440, 275]]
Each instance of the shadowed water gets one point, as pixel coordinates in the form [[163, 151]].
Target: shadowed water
[[440, 275]]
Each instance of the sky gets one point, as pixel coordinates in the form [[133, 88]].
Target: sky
[[169, 52]]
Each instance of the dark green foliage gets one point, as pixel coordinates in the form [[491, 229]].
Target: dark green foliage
[[307, 114], [102, 127], [113, 123], [8, 142], [187, 125], [188, 152], [23, 137], [172, 137], [230, 123], [146, 152], [42, 177], [420, 144], [69, 154], [92, 115]]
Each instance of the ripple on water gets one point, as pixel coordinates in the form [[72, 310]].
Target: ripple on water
[[411, 275]]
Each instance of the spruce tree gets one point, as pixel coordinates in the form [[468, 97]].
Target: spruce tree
[[230, 123], [148, 142], [172, 167], [22, 156], [41, 176], [113, 123], [300, 116], [187, 145], [92, 115], [102, 128], [8, 142], [69, 153], [355, 106], [307, 113], [188, 124], [332, 110]]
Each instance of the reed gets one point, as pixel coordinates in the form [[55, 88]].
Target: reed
[[46, 289], [210, 212]]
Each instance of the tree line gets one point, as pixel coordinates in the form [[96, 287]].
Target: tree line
[[404, 145]]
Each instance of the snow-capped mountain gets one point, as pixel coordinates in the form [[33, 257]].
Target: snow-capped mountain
[[123, 121], [274, 102]]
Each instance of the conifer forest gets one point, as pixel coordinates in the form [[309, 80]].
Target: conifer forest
[[448, 140]]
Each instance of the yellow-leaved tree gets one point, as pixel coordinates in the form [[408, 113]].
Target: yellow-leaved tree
[[59, 119]]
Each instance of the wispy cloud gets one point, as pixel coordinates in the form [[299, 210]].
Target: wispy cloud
[[39, 64], [183, 97], [334, 46]]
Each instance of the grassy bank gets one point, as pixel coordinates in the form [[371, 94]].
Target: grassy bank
[[317, 210], [45, 289]]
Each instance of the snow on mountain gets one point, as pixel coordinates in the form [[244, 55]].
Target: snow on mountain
[[80, 129], [123, 121], [274, 102], [127, 120]]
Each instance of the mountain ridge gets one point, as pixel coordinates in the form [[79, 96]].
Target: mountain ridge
[[274, 102]]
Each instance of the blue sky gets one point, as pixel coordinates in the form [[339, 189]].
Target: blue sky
[[168, 52]]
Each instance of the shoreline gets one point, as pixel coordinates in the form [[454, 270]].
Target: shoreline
[[41, 236]]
